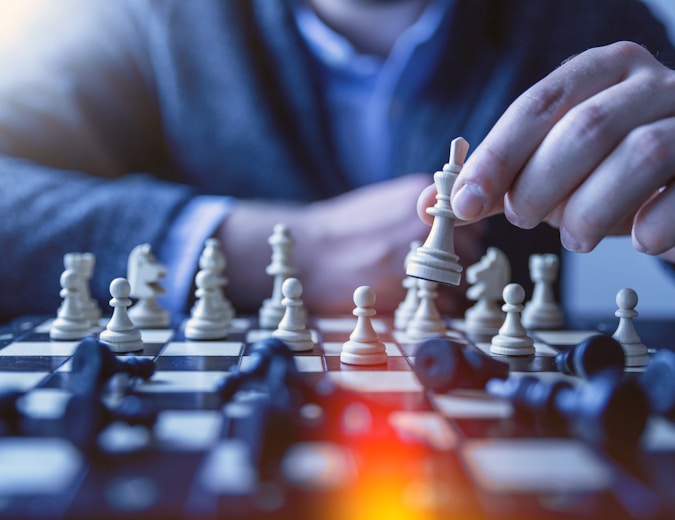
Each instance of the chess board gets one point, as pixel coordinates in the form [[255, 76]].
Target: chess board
[[461, 454]]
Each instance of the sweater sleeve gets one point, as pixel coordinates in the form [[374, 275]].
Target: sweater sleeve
[[82, 162]]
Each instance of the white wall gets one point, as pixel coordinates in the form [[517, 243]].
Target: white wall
[[592, 280]]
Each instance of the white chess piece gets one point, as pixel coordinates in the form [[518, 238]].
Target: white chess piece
[[70, 323], [406, 309], [636, 352], [427, 321], [208, 319], [292, 329], [83, 265], [512, 339], [120, 334], [281, 268], [542, 311], [144, 273], [436, 259], [489, 277], [364, 346], [213, 259]]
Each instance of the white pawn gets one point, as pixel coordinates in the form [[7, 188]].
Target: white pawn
[[292, 329], [427, 321], [488, 278], [208, 319], [364, 346], [542, 311], [636, 352], [512, 339], [120, 334], [280, 268], [71, 322], [406, 309]]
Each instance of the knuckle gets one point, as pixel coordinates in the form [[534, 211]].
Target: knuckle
[[588, 121], [649, 148], [628, 52], [543, 100]]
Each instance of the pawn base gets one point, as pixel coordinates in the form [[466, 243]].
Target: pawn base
[[297, 341], [509, 346]]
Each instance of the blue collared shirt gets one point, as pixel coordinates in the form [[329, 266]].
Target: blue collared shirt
[[364, 95]]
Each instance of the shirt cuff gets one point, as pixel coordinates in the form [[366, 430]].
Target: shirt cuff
[[183, 245]]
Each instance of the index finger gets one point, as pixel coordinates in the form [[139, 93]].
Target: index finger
[[490, 171]]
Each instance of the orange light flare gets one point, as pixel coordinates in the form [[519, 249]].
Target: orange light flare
[[395, 474]]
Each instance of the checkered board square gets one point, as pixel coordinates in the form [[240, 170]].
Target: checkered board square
[[459, 454]]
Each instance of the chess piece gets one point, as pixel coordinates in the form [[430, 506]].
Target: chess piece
[[608, 411], [145, 273], [291, 329], [442, 364], [209, 319], [83, 265], [543, 312], [658, 383], [593, 355], [635, 350], [512, 339], [406, 309], [93, 364], [120, 334], [488, 278], [427, 321], [281, 268], [71, 322], [213, 259], [364, 346], [436, 259], [87, 415]]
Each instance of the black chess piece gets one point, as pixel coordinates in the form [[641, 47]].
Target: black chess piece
[[271, 362], [608, 410], [658, 382], [86, 416], [593, 355], [93, 364], [8, 404], [442, 364]]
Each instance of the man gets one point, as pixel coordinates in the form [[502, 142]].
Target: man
[[168, 122]]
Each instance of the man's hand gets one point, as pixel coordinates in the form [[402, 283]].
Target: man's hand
[[589, 149], [360, 238]]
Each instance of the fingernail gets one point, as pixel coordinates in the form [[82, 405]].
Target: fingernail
[[469, 202], [568, 241], [637, 245]]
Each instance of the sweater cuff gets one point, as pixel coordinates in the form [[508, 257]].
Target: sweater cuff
[[183, 245]]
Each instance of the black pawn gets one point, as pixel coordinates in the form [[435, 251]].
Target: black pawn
[[658, 382], [592, 356], [86, 416], [533, 400], [607, 411], [442, 364], [93, 364], [266, 356]]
